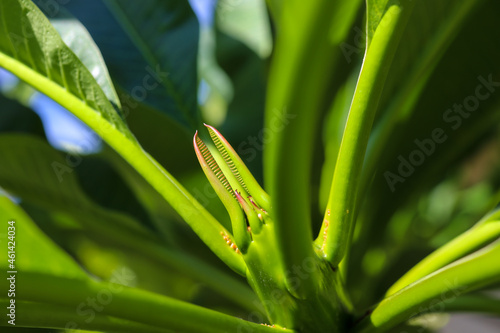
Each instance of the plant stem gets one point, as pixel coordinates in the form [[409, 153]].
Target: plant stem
[[341, 210], [43, 315], [199, 219], [132, 304]]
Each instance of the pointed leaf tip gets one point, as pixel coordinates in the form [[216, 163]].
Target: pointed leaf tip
[[238, 168], [211, 168], [227, 173]]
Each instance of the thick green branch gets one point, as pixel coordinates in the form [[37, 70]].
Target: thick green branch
[[45, 315], [124, 303], [341, 211], [204, 224]]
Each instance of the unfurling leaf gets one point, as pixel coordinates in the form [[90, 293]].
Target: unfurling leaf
[[245, 200]]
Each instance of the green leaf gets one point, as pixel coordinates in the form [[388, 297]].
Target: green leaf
[[386, 22], [55, 71], [78, 39], [166, 34], [24, 49], [239, 169], [127, 66], [470, 273], [244, 199], [228, 185]]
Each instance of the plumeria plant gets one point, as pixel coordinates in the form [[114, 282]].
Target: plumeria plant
[[349, 165]]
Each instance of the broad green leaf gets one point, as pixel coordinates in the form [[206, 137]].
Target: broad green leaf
[[128, 67], [125, 63], [78, 39], [55, 71], [246, 21], [169, 271], [385, 26], [166, 34], [24, 49], [470, 273], [301, 70]]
